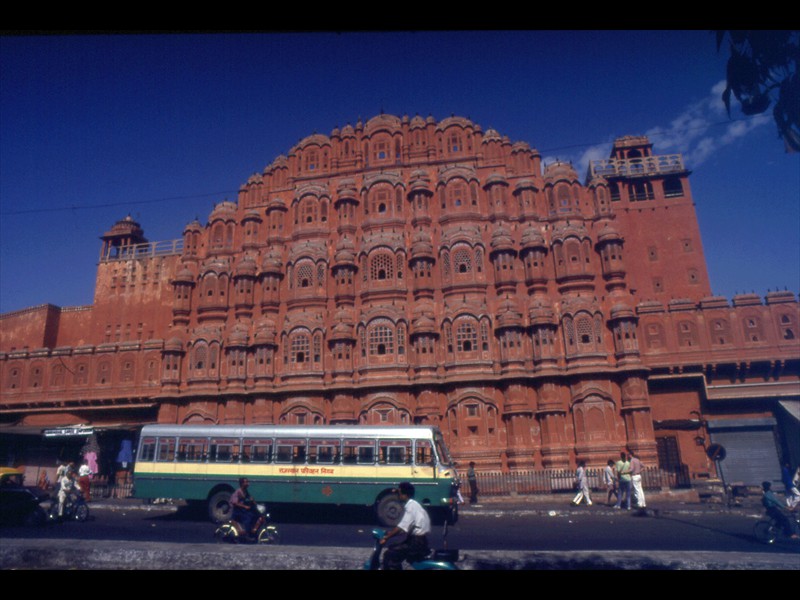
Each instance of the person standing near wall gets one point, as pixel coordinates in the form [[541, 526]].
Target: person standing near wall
[[636, 480], [623, 468], [472, 479]]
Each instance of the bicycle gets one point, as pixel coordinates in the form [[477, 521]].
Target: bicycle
[[770, 530]]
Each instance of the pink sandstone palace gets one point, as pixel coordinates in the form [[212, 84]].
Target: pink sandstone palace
[[404, 271]]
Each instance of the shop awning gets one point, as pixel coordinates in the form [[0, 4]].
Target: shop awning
[[792, 408]]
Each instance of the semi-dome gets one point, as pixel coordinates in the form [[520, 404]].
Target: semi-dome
[[532, 238], [559, 171], [246, 266], [272, 263], [501, 239], [608, 233], [421, 244], [345, 252], [224, 210]]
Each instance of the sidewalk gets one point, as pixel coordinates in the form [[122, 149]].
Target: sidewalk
[[670, 502]]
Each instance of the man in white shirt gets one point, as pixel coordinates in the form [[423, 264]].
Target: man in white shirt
[[636, 479], [416, 524]]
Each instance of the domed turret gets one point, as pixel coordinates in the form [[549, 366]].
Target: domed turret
[[560, 171], [271, 263], [345, 252], [502, 240], [532, 238], [421, 245]]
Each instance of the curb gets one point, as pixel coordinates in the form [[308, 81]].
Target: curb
[[86, 555]]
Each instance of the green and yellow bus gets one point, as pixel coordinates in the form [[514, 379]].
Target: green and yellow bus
[[336, 465]]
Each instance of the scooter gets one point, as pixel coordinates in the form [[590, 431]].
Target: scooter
[[439, 560], [75, 509], [233, 533]]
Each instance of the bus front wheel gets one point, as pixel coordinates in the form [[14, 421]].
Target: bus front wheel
[[389, 510], [219, 507]]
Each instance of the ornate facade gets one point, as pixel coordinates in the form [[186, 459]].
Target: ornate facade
[[413, 271]]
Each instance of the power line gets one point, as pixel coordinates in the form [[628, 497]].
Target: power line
[[208, 195], [113, 204]]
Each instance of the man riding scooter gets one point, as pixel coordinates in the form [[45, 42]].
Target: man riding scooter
[[416, 524], [245, 512]]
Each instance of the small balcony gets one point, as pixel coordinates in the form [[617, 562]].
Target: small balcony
[[637, 167]]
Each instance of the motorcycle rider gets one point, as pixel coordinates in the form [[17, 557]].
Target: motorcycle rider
[[68, 489], [777, 510], [245, 511], [416, 524]]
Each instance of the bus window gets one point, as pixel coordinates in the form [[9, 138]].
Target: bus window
[[257, 451], [394, 452], [224, 451], [424, 452], [360, 452], [166, 450], [290, 451], [191, 450], [323, 452], [148, 450]]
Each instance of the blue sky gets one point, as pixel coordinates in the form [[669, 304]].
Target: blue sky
[[163, 127]]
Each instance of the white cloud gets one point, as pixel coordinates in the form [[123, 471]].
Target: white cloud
[[703, 128]]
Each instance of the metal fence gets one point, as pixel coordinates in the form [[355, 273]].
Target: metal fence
[[549, 481]]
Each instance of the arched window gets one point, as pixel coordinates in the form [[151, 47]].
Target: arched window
[[309, 210], [304, 275], [457, 194], [466, 336], [200, 361], [300, 348], [218, 235], [584, 332], [381, 267], [381, 338], [462, 261], [720, 331], [57, 376]]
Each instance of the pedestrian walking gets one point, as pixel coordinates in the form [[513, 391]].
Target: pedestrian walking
[[636, 480], [472, 479], [85, 481], [582, 483], [623, 468], [610, 481]]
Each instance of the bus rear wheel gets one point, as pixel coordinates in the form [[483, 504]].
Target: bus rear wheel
[[219, 507], [389, 510]]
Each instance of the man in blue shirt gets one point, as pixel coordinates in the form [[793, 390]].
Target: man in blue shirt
[[777, 510]]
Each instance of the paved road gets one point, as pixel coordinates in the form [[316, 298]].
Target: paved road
[[674, 524]]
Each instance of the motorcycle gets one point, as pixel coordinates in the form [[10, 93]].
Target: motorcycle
[[439, 560], [232, 531], [75, 509]]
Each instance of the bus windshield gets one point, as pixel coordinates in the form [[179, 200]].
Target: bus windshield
[[441, 449]]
